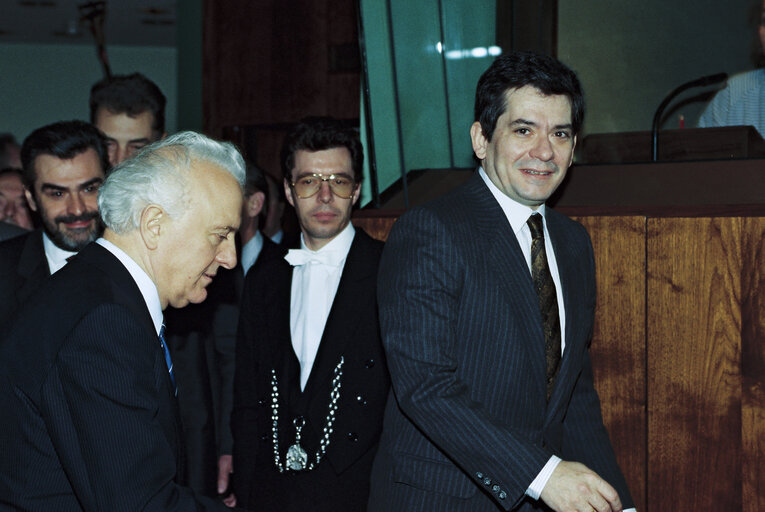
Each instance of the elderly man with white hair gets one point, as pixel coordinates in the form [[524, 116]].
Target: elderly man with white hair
[[86, 381]]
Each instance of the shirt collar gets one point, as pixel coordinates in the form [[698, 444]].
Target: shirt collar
[[145, 284], [55, 255], [340, 244], [517, 214], [251, 250]]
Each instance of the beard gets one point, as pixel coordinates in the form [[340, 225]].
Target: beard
[[72, 239]]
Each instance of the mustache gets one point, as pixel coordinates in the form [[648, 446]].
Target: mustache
[[68, 219]]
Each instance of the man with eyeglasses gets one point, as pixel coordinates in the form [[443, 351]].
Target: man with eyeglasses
[[311, 377]]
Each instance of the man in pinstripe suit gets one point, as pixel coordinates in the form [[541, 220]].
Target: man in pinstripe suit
[[477, 421]]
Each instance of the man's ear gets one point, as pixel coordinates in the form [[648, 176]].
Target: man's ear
[[30, 199], [254, 204], [573, 147], [288, 192], [479, 140], [151, 225]]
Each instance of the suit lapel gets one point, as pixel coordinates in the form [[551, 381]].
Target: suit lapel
[[33, 266], [567, 257], [359, 273], [505, 261]]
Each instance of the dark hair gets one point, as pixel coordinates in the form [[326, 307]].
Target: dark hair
[[256, 182], [6, 140], [131, 95], [64, 140], [518, 69], [317, 134]]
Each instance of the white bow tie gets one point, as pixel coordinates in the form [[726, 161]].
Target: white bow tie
[[297, 257]]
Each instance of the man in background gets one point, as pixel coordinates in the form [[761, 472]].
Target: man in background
[[13, 203], [90, 417], [203, 339], [311, 378], [64, 165], [742, 101], [130, 111]]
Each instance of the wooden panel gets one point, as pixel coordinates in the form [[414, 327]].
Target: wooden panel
[[618, 345], [270, 61], [695, 270], [753, 364]]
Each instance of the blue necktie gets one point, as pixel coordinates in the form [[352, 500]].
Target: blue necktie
[[168, 361]]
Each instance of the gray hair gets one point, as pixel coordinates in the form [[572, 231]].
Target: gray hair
[[158, 174]]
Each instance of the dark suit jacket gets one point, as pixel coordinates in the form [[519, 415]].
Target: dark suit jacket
[[340, 482], [202, 341], [23, 269], [89, 417], [468, 427], [8, 230]]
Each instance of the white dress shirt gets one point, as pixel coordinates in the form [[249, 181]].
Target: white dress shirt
[[315, 279], [55, 255]]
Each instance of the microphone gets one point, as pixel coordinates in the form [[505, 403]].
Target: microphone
[[699, 82]]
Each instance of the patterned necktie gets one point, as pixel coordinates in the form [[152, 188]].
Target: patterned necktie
[[168, 361], [548, 301]]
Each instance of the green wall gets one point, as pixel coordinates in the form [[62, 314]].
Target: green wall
[[41, 84]]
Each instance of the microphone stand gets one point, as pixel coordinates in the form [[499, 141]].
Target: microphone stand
[[700, 82]]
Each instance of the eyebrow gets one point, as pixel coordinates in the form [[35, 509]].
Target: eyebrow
[[340, 174], [526, 122], [81, 186]]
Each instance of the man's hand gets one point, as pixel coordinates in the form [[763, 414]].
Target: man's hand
[[225, 468], [573, 487]]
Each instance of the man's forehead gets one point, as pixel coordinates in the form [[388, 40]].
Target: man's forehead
[[519, 98], [80, 168]]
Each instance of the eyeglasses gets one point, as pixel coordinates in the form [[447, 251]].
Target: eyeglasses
[[307, 186]]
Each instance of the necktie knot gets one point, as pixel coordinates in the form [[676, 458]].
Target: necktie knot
[[536, 226], [297, 257]]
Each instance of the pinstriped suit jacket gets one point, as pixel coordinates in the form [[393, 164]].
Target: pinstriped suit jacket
[[89, 419], [467, 426]]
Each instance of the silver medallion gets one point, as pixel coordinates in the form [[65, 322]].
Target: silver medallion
[[297, 458]]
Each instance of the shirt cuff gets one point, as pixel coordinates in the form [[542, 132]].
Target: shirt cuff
[[535, 489]]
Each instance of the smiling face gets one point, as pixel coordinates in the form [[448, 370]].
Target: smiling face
[[323, 215], [532, 146], [125, 135], [65, 196], [195, 245]]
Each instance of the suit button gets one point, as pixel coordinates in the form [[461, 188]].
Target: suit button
[[369, 363], [479, 475], [360, 400], [495, 488], [352, 436], [487, 481], [502, 495]]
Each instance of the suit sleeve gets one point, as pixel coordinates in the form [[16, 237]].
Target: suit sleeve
[[420, 281], [103, 406]]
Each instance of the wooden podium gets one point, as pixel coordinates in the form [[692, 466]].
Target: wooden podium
[[674, 145]]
